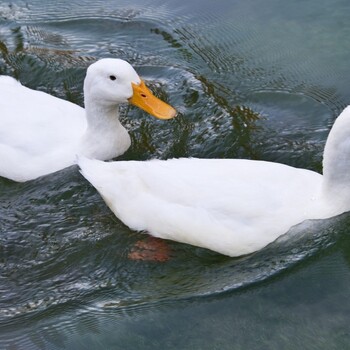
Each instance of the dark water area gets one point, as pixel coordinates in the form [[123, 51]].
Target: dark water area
[[250, 79]]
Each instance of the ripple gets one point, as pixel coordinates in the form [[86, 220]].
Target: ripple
[[243, 89], [193, 273], [68, 251], [66, 11]]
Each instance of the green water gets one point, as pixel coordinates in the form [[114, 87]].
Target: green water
[[251, 79]]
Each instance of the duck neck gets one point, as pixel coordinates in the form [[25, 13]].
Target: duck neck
[[105, 137], [336, 162]]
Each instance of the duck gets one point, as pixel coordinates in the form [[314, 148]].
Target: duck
[[41, 134], [234, 207]]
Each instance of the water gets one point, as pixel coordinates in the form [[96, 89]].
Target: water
[[251, 79]]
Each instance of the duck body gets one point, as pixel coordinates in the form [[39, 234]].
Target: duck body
[[230, 206], [41, 134]]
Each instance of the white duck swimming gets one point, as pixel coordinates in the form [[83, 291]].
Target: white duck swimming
[[230, 206], [40, 133]]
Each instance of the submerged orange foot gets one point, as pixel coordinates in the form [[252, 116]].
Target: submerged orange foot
[[150, 249]]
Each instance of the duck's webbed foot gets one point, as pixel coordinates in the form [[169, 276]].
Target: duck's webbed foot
[[150, 249]]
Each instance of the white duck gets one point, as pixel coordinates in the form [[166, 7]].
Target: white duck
[[40, 133], [233, 207]]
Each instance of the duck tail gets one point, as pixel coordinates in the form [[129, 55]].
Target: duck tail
[[91, 169]]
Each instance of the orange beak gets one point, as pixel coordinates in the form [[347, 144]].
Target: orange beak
[[144, 99]]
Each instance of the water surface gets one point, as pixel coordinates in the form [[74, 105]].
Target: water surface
[[251, 79]]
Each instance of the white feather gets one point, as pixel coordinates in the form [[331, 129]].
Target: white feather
[[230, 206]]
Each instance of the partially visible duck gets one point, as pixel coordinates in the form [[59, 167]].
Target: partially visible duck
[[41, 134]]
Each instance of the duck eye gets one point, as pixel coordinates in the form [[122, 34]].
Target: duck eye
[[112, 77]]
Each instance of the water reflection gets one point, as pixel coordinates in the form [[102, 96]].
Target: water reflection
[[88, 316]]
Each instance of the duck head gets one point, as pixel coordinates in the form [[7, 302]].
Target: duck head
[[110, 82]]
